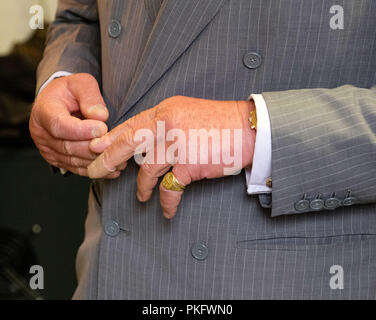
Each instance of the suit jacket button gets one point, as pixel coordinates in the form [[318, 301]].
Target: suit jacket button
[[302, 205], [349, 201], [112, 228], [332, 203], [114, 29], [317, 204], [200, 251], [252, 60]]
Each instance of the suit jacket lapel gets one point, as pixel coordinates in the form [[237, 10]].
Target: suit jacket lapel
[[177, 25], [153, 7]]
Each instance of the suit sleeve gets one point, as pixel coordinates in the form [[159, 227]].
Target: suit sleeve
[[73, 41], [323, 148]]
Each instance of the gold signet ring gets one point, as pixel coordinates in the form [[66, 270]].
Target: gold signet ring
[[171, 183]]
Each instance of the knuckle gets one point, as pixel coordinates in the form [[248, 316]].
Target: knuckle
[[147, 168], [43, 148], [67, 147], [129, 136], [125, 139], [74, 162]]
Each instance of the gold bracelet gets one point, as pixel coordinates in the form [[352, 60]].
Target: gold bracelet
[[253, 119]]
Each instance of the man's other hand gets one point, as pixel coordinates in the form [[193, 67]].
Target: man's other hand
[[66, 116]]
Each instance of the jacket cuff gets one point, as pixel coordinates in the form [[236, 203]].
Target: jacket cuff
[[322, 155]]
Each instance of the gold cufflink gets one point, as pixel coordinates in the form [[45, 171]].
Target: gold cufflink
[[269, 182]]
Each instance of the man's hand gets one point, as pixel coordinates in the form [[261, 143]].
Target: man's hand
[[66, 116], [182, 119]]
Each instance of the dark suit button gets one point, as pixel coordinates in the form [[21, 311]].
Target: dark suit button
[[114, 29], [332, 203], [112, 228], [302, 205], [200, 251], [317, 204], [349, 201], [252, 60]]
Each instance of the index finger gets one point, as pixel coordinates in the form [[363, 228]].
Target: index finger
[[100, 144], [123, 148], [74, 129], [61, 125]]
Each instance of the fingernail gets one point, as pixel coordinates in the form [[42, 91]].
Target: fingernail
[[98, 109], [167, 215], [96, 132], [95, 142]]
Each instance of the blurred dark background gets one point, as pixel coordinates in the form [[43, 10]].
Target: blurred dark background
[[41, 215]]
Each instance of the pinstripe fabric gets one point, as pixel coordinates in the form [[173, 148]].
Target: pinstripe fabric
[[323, 141], [153, 7], [334, 148]]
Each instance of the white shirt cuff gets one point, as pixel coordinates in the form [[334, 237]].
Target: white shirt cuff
[[262, 159]]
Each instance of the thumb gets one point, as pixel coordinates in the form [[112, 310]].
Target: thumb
[[85, 90]]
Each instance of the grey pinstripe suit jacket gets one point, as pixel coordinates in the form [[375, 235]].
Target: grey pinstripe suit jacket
[[323, 146]]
